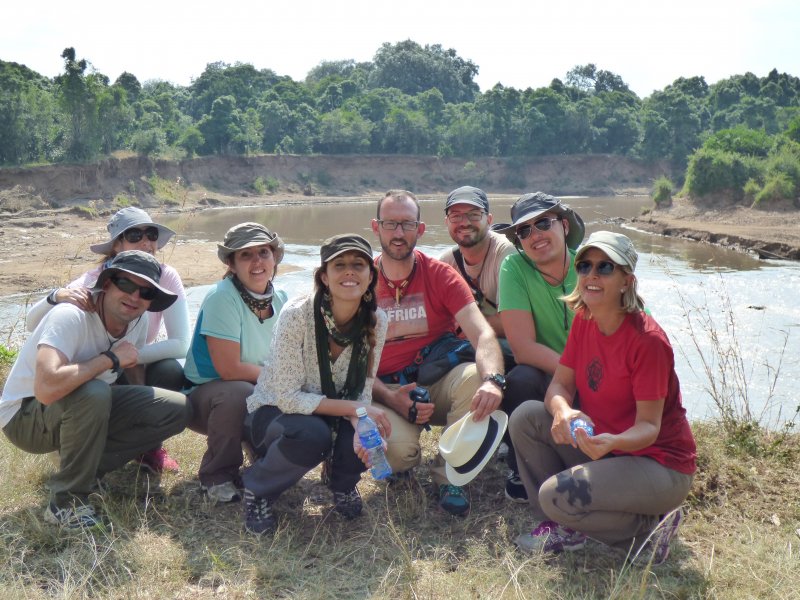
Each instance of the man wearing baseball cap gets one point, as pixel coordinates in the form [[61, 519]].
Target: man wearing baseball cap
[[535, 318], [61, 395], [479, 251]]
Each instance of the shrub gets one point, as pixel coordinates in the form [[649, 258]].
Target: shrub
[[778, 188], [259, 186], [751, 188], [662, 191], [740, 140], [719, 171], [272, 183]]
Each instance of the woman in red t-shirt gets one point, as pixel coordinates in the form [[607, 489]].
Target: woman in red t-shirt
[[620, 475]]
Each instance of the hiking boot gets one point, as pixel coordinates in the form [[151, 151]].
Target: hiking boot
[[258, 517], [453, 499], [550, 537], [348, 504], [157, 461], [655, 549], [515, 490], [222, 492], [75, 516]]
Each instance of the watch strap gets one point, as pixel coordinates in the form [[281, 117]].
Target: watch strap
[[116, 368]]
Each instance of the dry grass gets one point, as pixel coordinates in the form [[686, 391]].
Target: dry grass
[[738, 540]]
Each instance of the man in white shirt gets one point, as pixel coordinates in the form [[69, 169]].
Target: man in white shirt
[[60, 394]]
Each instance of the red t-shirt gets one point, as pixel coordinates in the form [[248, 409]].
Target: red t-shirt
[[633, 364], [427, 310]]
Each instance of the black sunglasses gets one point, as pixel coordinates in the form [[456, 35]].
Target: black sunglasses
[[604, 267], [543, 224], [135, 235], [126, 285]]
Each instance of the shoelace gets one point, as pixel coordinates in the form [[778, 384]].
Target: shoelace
[[347, 497], [257, 508], [454, 490]]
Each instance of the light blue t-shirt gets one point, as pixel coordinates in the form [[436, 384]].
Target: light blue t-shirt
[[224, 315]]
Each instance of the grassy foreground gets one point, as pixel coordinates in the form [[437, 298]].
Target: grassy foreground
[[739, 539]]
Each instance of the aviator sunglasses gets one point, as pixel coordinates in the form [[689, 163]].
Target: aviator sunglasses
[[543, 224], [135, 235], [126, 285], [603, 267]]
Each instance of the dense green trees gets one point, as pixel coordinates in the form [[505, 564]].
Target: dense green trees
[[410, 99]]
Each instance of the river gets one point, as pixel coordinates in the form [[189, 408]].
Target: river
[[727, 313]]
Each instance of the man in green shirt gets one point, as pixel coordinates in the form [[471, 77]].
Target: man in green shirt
[[535, 319]]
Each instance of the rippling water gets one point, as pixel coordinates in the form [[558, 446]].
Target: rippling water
[[708, 299]]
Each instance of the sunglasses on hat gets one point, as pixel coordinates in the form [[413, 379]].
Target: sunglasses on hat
[[135, 235]]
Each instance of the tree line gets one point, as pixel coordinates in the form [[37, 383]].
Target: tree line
[[410, 99]]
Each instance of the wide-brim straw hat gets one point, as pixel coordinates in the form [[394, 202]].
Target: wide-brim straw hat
[[467, 445]]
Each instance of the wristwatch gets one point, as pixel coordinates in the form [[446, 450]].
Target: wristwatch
[[497, 379]]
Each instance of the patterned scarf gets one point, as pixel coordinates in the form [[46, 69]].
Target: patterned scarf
[[255, 303], [325, 326]]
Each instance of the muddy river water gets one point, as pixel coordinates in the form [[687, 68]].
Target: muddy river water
[[727, 313]]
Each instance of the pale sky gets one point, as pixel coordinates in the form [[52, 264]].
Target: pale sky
[[519, 43]]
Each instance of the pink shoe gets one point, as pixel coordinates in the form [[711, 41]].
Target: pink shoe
[[157, 461]]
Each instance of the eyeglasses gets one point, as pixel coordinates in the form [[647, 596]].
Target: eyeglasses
[[474, 216], [543, 224], [249, 255], [124, 284], [392, 225], [603, 268], [135, 235]]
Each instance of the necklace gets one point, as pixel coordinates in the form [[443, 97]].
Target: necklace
[[399, 290], [112, 339]]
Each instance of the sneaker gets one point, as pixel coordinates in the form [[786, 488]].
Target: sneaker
[[453, 499], [515, 490], [655, 550], [76, 516], [348, 504], [502, 451], [157, 461], [258, 517], [222, 492], [550, 537]]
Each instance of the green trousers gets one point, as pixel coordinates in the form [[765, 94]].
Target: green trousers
[[96, 428]]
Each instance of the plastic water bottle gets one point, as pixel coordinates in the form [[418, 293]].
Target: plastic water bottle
[[371, 440], [580, 423]]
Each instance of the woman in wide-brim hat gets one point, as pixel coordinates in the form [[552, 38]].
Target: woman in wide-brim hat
[[131, 228], [620, 362], [325, 353], [231, 341]]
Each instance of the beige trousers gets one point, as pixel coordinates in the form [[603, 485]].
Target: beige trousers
[[452, 396]]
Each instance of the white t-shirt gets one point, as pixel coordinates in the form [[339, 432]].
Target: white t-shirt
[[79, 335]]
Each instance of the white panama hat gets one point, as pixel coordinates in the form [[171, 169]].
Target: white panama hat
[[467, 445]]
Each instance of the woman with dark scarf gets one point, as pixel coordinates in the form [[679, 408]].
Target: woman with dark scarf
[[231, 341], [324, 356]]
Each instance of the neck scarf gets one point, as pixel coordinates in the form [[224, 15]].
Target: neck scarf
[[325, 326], [255, 304]]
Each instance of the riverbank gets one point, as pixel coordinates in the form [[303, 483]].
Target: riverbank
[[769, 234]]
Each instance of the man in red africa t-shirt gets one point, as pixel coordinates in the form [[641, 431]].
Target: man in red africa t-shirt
[[426, 299]]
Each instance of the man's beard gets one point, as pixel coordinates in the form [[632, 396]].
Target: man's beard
[[474, 240], [397, 253]]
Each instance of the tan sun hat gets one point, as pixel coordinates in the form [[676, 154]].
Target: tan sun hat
[[467, 445]]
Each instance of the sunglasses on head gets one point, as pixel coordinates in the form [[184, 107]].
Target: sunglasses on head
[[129, 287], [543, 224], [603, 267], [135, 235]]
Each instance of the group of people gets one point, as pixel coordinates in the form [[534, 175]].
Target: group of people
[[518, 317]]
